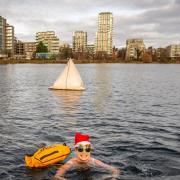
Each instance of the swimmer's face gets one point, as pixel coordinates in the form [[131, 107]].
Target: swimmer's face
[[83, 152]]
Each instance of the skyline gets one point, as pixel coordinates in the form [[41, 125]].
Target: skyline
[[157, 22]]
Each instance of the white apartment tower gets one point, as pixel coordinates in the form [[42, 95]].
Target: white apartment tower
[[50, 40], [79, 41], [103, 42]]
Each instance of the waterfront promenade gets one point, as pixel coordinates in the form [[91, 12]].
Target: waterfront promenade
[[84, 61]]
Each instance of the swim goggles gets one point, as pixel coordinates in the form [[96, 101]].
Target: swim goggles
[[82, 149]]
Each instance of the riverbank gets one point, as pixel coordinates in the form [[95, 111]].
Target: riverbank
[[63, 61]]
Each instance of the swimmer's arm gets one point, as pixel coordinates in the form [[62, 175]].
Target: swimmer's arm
[[60, 172], [115, 171]]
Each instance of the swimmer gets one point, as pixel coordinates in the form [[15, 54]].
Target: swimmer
[[83, 159]]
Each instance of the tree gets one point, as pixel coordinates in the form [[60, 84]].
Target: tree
[[101, 56], [65, 52], [41, 48], [138, 53], [146, 57], [121, 54], [114, 53], [163, 56], [8, 52]]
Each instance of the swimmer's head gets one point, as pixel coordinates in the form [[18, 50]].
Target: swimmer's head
[[81, 139], [82, 147]]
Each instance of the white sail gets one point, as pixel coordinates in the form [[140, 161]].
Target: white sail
[[69, 79]]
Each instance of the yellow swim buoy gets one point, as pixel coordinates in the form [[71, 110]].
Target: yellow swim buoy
[[47, 156]]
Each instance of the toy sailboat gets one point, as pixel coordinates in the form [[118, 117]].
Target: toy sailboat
[[69, 79]]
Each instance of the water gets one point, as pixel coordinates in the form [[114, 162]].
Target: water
[[132, 113]]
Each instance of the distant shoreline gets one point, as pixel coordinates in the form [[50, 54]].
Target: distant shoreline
[[52, 61]]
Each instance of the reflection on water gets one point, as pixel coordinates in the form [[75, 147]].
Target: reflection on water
[[103, 87], [68, 103], [68, 99]]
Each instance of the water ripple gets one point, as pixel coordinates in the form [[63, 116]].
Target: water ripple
[[132, 113]]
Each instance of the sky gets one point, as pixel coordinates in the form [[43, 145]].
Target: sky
[[156, 21]]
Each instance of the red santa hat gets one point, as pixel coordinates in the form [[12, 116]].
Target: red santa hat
[[81, 139]]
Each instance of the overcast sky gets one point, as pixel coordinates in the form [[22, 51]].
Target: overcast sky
[[156, 21]]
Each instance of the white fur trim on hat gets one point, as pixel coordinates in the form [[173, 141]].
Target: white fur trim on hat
[[82, 142]]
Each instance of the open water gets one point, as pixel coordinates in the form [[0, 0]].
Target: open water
[[132, 113]]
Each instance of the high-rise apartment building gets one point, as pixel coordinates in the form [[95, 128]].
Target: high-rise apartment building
[[103, 42], [134, 48], [7, 44], [19, 48], [50, 40], [79, 41], [29, 49], [173, 51], [2, 35], [10, 40], [29, 46]]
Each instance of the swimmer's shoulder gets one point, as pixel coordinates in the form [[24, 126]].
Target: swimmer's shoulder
[[73, 160]]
